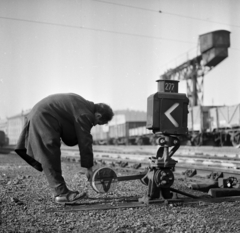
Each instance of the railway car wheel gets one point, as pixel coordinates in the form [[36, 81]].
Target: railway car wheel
[[115, 142], [139, 141], [104, 180], [197, 140], [235, 139]]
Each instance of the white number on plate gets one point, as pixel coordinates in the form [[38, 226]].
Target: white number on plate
[[169, 86]]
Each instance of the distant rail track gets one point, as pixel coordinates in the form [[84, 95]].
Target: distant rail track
[[204, 159]]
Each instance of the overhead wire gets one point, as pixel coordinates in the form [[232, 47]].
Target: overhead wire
[[166, 13], [96, 29], [115, 32], [119, 4]]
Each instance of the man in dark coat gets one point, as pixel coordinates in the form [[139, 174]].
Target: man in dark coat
[[66, 117]]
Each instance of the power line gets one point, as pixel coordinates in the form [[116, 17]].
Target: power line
[[166, 13], [119, 4], [205, 20], [96, 29]]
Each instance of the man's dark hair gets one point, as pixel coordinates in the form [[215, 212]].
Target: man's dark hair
[[105, 110]]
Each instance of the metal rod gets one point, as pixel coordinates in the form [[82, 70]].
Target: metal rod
[[132, 177], [183, 193]]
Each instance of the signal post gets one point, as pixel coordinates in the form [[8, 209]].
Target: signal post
[[167, 112]]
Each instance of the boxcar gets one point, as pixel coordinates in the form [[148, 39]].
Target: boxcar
[[225, 122], [100, 134]]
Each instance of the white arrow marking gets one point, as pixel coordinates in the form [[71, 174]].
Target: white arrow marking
[[168, 114]]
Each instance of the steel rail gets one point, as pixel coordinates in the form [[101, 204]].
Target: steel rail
[[135, 204], [204, 162], [117, 158], [203, 159]]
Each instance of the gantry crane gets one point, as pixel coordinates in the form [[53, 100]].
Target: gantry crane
[[214, 49]]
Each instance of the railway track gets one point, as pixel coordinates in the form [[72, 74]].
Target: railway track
[[204, 160]]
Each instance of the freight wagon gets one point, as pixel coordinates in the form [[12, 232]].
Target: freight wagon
[[214, 125], [142, 136], [123, 129], [119, 134], [100, 134], [225, 121], [199, 126], [207, 125]]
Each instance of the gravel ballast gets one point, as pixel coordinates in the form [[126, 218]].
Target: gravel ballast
[[25, 196]]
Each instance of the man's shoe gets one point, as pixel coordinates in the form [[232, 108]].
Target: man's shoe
[[70, 197]]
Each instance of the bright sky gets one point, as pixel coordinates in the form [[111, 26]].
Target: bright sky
[[109, 51]]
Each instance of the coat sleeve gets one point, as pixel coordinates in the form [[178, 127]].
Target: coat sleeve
[[83, 127]]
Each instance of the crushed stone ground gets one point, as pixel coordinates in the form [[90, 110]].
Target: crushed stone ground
[[25, 196]]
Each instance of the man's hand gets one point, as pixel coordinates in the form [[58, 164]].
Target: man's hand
[[89, 173]]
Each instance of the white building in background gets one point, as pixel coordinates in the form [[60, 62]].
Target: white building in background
[[15, 125]]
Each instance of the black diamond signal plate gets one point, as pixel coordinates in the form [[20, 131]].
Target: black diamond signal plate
[[104, 180]]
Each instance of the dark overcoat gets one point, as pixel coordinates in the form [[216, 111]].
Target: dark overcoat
[[66, 117]]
